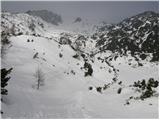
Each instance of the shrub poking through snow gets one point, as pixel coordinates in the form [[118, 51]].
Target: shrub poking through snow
[[106, 86], [140, 64], [35, 55], [114, 79], [75, 56], [153, 83], [72, 71], [127, 102], [88, 68], [5, 40], [4, 80], [44, 59], [146, 88], [109, 70], [20, 33], [119, 90], [39, 78], [99, 89], [90, 88], [83, 55], [120, 82], [60, 55]]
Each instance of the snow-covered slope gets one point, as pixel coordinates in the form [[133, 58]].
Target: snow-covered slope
[[67, 93], [64, 94]]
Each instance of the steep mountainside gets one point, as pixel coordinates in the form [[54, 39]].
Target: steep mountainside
[[21, 23], [137, 35]]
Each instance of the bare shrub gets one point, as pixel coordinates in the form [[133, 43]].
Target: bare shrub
[[40, 78]]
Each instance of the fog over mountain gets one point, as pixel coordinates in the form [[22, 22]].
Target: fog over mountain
[[47, 16], [111, 12]]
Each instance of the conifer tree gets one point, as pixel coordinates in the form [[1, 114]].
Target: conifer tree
[[4, 80]]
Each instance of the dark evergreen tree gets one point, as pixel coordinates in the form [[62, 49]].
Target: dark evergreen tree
[[4, 80]]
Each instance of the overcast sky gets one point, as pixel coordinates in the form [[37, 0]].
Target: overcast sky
[[109, 11]]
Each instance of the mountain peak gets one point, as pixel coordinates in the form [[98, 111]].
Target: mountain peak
[[78, 19], [149, 13], [47, 16]]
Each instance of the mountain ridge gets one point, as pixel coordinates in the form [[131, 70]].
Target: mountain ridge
[[132, 33], [47, 16]]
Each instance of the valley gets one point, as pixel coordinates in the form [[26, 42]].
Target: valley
[[110, 72]]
